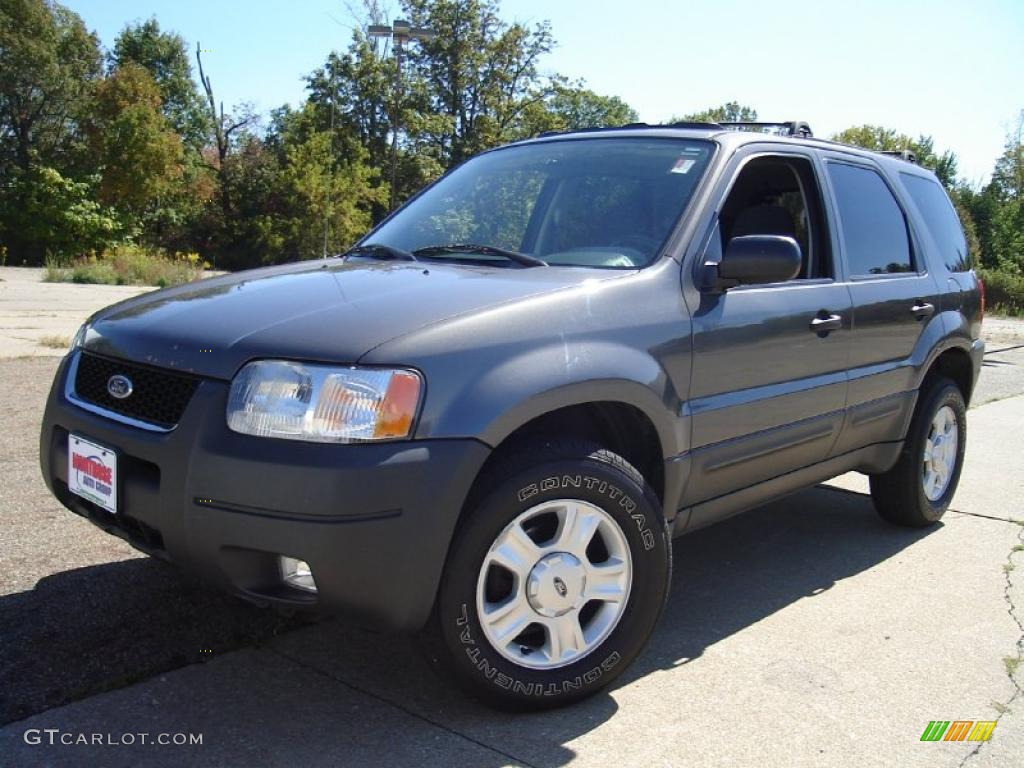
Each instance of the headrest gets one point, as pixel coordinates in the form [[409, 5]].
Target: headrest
[[764, 220]]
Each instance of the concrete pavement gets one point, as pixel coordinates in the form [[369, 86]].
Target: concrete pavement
[[32, 311]]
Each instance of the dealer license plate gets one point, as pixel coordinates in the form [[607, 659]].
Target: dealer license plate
[[92, 472]]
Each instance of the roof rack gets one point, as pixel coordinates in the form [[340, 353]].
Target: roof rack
[[695, 124], [592, 129], [790, 128], [902, 154]]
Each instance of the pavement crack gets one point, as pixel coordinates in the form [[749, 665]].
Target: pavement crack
[[398, 705], [985, 517], [1012, 664]]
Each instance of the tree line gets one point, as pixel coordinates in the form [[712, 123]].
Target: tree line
[[105, 147]]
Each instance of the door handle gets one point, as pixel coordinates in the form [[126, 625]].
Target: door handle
[[825, 322], [922, 309]]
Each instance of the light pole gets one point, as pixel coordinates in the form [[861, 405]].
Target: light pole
[[401, 32]]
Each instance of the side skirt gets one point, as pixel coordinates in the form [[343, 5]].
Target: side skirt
[[871, 459]]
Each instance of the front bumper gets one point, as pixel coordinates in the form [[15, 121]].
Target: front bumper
[[373, 521]]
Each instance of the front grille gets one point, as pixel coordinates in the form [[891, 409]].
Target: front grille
[[158, 396]]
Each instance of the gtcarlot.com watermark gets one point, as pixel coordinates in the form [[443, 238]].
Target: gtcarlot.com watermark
[[55, 737]]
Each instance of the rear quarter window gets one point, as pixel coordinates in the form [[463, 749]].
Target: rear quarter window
[[941, 220], [872, 224]]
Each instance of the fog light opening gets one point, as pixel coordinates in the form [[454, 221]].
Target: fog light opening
[[297, 573]]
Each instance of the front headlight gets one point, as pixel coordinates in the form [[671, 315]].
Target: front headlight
[[323, 404], [79, 337]]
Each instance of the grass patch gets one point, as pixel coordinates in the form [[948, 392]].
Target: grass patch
[[1004, 292], [55, 342], [1012, 664], [128, 265]]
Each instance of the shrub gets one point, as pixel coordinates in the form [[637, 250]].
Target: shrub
[[1004, 292], [128, 265]]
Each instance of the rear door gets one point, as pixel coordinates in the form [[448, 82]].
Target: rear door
[[768, 387], [894, 297]]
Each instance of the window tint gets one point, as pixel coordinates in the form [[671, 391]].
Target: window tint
[[776, 195], [872, 226], [941, 220]]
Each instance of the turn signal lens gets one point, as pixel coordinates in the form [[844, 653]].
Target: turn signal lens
[[399, 406]]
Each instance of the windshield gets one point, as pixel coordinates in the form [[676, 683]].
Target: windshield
[[600, 202]]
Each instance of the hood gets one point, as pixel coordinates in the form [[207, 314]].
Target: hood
[[331, 311]]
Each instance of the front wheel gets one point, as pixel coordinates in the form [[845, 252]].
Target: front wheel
[[556, 578], [916, 492]]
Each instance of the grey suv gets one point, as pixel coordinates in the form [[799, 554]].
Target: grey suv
[[487, 420]]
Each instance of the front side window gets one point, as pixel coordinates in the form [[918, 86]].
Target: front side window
[[941, 220], [779, 195], [600, 202], [872, 225]]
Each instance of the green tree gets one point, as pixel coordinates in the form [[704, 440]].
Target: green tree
[[292, 188], [1006, 192], [353, 94], [165, 56], [139, 154], [479, 71], [59, 214], [572, 107], [328, 195], [878, 138], [730, 112], [49, 62]]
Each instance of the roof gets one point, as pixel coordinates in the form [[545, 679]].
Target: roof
[[731, 138]]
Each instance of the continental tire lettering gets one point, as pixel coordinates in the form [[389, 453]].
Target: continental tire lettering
[[551, 689], [481, 663], [524, 688], [463, 621], [627, 504], [528, 492]]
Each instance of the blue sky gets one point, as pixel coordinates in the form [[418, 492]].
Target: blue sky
[[950, 68]]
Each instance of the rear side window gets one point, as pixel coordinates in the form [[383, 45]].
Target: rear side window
[[872, 225], [941, 220]]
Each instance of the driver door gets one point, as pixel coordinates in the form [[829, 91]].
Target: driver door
[[769, 383]]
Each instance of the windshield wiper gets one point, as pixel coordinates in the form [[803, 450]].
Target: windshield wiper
[[380, 250], [488, 250]]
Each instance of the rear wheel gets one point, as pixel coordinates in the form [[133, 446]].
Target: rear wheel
[[916, 492], [555, 580]]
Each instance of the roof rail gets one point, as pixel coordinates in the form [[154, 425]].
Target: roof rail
[[902, 154], [695, 124], [790, 128], [591, 129]]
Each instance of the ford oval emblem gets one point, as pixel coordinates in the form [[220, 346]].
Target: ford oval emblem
[[119, 386]]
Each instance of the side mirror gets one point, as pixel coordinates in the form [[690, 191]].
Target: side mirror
[[760, 259]]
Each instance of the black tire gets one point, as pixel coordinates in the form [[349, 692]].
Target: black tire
[[519, 483], [899, 495]]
